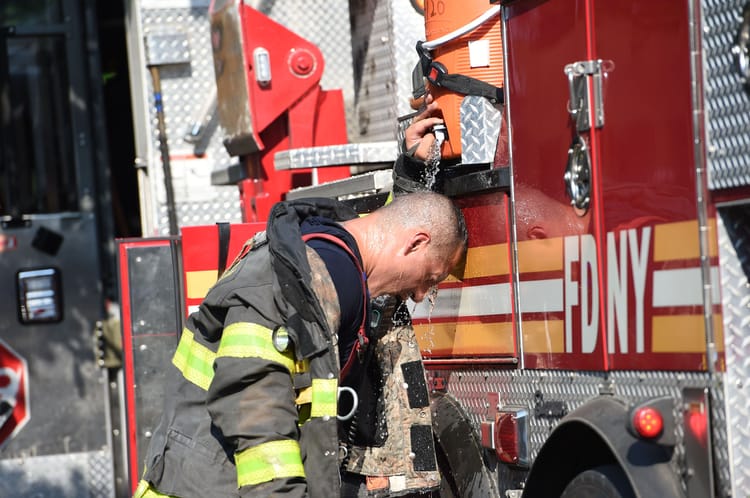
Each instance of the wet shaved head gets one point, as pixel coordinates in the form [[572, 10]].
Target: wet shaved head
[[432, 212]]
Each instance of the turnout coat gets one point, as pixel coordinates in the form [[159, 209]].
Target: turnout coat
[[243, 416]]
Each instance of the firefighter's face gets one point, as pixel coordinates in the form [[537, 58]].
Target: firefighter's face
[[422, 271]]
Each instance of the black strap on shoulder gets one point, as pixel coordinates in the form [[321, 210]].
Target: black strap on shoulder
[[437, 74], [362, 340], [224, 234]]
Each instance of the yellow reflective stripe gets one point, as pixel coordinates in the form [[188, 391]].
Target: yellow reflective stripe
[[144, 490], [194, 360], [268, 461], [324, 393], [250, 340]]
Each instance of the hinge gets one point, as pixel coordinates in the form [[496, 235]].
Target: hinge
[[585, 79]]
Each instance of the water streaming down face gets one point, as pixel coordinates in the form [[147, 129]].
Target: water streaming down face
[[431, 298], [429, 175]]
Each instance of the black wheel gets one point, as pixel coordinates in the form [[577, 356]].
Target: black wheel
[[607, 481]]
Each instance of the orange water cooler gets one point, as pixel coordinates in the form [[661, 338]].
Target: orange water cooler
[[463, 39]]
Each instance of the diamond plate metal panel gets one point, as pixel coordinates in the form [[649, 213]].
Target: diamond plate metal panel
[[524, 388], [73, 475], [734, 256], [480, 129], [408, 28], [373, 182], [167, 48], [727, 104], [372, 153], [384, 36], [185, 86]]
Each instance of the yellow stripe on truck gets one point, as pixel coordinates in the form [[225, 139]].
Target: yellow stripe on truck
[[490, 339], [492, 260], [197, 283], [540, 255], [486, 261], [540, 336], [683, 334], [465, 338], [676, 241]]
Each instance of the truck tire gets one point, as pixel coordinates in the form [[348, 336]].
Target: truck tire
[[607, 481]]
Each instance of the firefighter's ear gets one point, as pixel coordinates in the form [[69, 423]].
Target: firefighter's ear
[[417, 242]]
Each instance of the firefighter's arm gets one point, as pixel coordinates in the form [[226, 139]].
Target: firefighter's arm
[[418, 137], [251, 401], [408, 170]]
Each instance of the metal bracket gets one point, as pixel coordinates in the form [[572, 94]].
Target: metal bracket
[[485, 181], [585, 78]]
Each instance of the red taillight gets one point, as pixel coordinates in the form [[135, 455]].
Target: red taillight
[[648, 422], [507, 438], [508, 434], [697, 422]]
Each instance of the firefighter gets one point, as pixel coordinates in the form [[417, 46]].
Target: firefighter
[[251, 404]]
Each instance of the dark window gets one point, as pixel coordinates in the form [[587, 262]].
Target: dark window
[[38, 171]]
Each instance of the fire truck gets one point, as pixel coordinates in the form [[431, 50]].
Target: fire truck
[[592, 343]]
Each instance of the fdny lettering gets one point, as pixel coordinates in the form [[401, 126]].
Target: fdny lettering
[[627, 260]]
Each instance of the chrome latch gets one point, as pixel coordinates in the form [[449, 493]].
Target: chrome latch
[[584, 79]]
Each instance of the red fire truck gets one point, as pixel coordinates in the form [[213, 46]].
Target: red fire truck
[[595, 341]]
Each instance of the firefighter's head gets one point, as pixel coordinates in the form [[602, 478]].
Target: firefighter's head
[[410, 245]]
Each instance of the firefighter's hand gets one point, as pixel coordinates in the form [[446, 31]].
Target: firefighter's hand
[[418, 137]]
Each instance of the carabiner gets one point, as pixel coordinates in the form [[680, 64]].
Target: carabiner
[[355, 402]]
